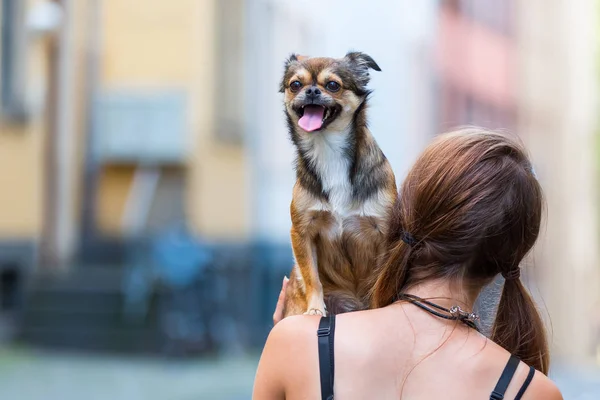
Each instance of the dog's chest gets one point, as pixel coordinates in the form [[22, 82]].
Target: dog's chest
[[328, 157], [330, 161]]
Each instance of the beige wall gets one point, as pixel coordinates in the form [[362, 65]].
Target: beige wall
[[20, 180], [21, 149], [165, 45], [157, 45]]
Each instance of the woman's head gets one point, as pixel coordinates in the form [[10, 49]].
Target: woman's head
[[472, 207]]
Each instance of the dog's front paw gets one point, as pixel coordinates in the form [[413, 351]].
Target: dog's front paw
[[315, 311], [317, 307]]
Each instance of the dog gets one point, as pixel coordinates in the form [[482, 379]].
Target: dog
[[345, 187]]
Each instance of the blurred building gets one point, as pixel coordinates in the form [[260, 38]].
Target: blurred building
[[529, 67], [139, 99], [119, 121], [557, 88], [166, 133], [167, 118], [476, 58], [123, 121]]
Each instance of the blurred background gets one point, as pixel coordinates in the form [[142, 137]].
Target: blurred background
[[146, 173]]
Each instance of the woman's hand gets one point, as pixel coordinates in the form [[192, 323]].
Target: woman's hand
[[278, 314]]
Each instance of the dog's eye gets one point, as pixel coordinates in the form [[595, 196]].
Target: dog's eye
[[332, 86], [295, 86]]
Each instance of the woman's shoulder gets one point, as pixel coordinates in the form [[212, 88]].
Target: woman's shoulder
[[295, 327], [293, 336], [303, 328], [296, 335], [290, 339], [542, 387]]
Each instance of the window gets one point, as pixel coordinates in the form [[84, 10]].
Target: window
[[458, 107], [11, 59], [9, 288], [494, 14]]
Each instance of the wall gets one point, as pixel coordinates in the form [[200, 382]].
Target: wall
[[170, 45], [21, 146], [20, 178]]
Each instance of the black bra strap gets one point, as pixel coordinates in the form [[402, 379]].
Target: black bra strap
[[505, 378], [526, 383], [325, 335]]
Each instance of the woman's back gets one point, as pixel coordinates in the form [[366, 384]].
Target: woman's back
[[395, 352]]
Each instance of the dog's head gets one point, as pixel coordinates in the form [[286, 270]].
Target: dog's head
[[324, 93]]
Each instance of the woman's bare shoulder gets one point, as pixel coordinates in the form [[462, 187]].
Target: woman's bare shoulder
[[542, 387], [290, 339], [294, 328], [294, 337]]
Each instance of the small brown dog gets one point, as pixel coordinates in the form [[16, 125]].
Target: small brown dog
[[345, 187]]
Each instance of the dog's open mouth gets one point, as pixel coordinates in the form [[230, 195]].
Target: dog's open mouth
[[314, 117]]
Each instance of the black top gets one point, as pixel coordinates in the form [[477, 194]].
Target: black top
[[325, 335]]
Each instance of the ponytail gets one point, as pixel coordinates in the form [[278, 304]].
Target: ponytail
[[518, 326]]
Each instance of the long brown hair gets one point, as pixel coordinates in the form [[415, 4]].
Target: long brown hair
[[473, 207]]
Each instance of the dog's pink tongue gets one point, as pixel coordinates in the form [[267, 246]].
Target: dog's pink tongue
[[312, 118]]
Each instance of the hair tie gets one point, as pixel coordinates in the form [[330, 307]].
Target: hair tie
[[533, 172], [408, 239], [512, 274]]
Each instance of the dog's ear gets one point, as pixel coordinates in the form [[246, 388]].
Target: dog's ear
[[293, 58], [362, 60], [360, 63]]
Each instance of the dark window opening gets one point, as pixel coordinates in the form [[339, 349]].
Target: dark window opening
[[6, 50], [11, 63], [9, 289]]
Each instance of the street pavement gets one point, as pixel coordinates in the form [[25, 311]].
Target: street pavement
[[26, 375], [36, 375]]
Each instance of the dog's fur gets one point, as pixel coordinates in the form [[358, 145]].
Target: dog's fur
[[345, 187]]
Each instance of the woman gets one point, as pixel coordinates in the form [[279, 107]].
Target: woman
[[469, 210]]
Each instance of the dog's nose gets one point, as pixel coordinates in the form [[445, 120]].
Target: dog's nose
[[313, 89], [312, 92]]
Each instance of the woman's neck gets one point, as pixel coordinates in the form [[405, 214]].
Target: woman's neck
[[445, 293]]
